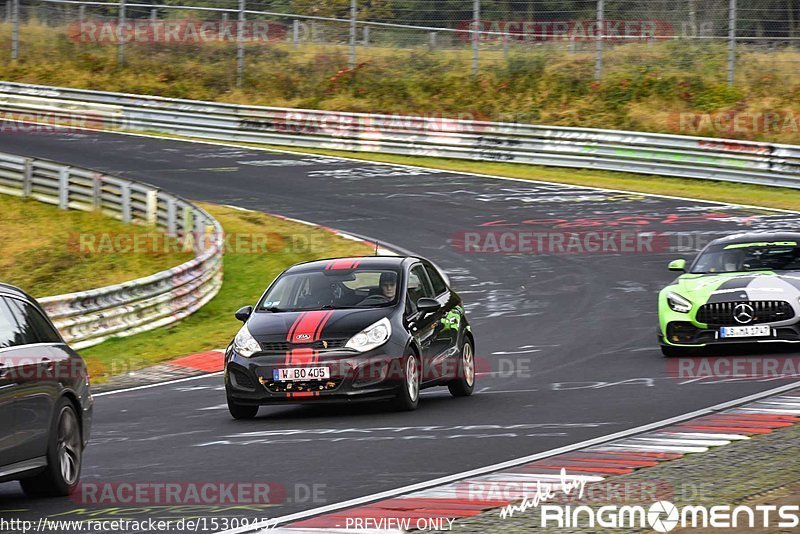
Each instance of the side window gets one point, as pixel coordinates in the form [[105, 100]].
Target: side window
[[35, 327], [439, 286], [10, 332], [418, 285]]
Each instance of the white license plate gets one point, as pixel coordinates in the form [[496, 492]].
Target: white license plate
[[745, 331], [292, 374]]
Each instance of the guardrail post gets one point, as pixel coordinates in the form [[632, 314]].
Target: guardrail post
[[121, 34], [476, 23], [153, 15], [432, 40], [199, 236], [240, 44], [15, 29], [296, 33], [8, 10], [732, 42], [353, 14], [81, 16], [125, 191], [97, 192], [171, 222], [63, 188], [366, 36], [27, 177], [187, 220], [600, 32], [151, 210]]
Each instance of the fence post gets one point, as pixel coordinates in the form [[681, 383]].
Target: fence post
[[432, 40], [600, 31], [63, 188], [121, 34], [353, 14], [151, 211], [296, 33], [732, 42], [81, 16], [27, 178], [171, 215], [15, 29], [476, 23], [9, 7], [240, 44], [125, 190], [187, 220], [153, 15], [97, 192], [366, 37]]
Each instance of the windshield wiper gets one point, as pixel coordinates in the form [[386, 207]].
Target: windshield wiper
[[273, 309]]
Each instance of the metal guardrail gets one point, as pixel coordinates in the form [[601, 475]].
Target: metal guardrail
[[89, 317], [637, 152]]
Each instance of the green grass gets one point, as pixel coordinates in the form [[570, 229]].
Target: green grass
[[41, 252], [246, 275]]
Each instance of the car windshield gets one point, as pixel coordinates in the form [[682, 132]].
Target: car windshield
[[329, 289], [743, 257]]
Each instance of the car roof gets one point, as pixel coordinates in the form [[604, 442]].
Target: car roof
[[8, 289], [348, 263], [757, 237]]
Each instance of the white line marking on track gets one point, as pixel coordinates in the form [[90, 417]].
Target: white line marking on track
[[432, 484], [148, 386]]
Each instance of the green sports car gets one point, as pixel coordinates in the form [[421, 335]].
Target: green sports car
[[741, 289]]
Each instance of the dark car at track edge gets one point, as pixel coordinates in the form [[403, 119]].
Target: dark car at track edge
[[350, 329]]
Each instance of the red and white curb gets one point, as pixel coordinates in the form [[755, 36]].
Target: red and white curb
[[469, 496]]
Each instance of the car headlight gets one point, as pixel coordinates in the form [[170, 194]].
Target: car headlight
[[245, 344], [371, 337], [678, 303]]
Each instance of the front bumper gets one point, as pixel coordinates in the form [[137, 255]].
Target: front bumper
[[689, 334], [368, 376]]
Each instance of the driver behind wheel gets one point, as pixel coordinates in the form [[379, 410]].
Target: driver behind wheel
[[388, 283]]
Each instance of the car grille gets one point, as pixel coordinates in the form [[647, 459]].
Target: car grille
[[284, 346], [295, 387], [766, 311]]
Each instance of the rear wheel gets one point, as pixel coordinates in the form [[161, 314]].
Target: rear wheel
[[241, 411], [464, 383], [64, 456], [408, 397]]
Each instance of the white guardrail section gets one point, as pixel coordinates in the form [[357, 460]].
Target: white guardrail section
[[89, 317], [646, 153]]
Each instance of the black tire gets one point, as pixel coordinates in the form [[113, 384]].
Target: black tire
[[405, 401], [675, 352], [464, 383], [242, 412], [64, 455]]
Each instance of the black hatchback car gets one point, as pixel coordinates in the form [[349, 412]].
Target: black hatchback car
[[45, 403], [348, 329]]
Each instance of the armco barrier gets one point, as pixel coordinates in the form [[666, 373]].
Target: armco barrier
[[645, 153], [89, 317]]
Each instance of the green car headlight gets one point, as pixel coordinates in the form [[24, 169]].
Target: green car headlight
[[678, 303]]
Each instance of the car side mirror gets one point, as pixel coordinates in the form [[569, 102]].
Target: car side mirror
[[243, 314], [427, 305], [678, 265]]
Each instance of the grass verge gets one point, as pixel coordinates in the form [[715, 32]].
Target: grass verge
[[40, 249], [247, 272]]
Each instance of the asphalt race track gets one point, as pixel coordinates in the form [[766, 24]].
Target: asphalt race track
[[567, 341]]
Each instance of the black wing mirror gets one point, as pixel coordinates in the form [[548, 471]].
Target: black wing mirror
[[427, 305], [243, 314]]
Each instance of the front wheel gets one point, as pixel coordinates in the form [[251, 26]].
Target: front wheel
[[464, 383], [241, 411], [64, 456], [408, 397]]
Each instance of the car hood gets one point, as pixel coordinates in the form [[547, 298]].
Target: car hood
[[729, 287], [309, 326]]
